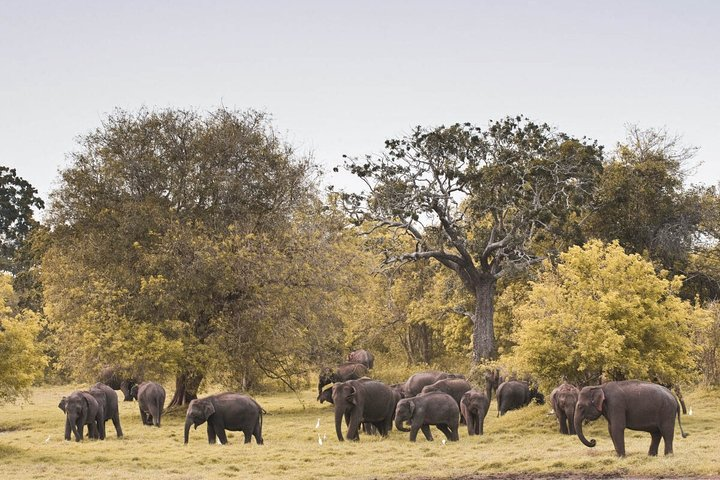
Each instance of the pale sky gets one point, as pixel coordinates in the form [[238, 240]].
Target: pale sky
[[342, 76]]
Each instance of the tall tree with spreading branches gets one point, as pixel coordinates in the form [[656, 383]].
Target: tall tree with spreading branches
[[482, 202]]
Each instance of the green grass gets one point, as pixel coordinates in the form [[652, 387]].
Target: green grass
[[523, 442]]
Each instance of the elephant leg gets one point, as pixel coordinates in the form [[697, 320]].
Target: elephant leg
[[116, 424], [79, 431], [667, 435], [143, 416], [617, 434], [68, 429], [257, 433], [211, 433], [480, 422], [571, 425], [248, 435], [101, 428], [654, 443], [562, 419], [220, 432], [426, 431]]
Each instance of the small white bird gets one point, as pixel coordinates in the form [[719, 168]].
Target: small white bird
[[690, 412], [320, 440], [47, 439], [443, 441], [317, 425]]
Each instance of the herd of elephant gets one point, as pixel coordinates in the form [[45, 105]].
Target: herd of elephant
[[433, 398], [445, 400]]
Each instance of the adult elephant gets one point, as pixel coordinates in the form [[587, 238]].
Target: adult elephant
[[421, 411], [362, 356], [414, 385], [563, 400], [474, 406], [112, 377], [632, 404], [493, 379], [226, 411], [341, 373], [362, 401], [151, 400], [81, 409], [107, 398], [516, 394]]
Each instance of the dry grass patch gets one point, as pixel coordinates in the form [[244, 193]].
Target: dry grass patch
[[521, 443]]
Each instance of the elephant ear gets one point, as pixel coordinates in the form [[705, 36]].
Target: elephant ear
[[411, 406], [207, 409], [62, 404], [352, 396], [598, 398]]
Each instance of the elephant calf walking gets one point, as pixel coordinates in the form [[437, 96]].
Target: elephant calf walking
[[436, 408], [151, 400], [226, 411], [474, 407], [563, 400]]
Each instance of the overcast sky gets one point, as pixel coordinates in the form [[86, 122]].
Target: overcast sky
[[342, 76]]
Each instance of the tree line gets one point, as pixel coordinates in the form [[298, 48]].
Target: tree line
[[202, 246]]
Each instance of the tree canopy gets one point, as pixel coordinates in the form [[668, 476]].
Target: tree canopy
[[481, 202], [602, 313], [18, 199]]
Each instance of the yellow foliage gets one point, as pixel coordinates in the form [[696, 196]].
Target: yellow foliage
[[605, 314]]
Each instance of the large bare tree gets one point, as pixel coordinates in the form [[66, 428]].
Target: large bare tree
[[481, 201]]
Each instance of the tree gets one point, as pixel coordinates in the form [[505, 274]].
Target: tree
[[482, 203], [602, 313], [17, 200], [143, 221], [21, 357]]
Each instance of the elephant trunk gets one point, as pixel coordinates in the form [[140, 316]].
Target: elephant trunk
[[578, 430], [399, 425], [188, 423], [338, 423]]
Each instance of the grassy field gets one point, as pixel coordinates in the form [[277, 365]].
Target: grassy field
[[520, 444]]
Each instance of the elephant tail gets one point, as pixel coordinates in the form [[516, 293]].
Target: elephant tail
[[684, 435]]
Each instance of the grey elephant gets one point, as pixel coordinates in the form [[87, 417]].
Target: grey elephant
[[341, 373], [112, 377], [107, 398], [516, 394], [151, 400], [226, 411], [474, 406], [362, 356], [632, 404], [421, 411], [81, 409], [362, 401], [493, 379], [326, 396], [414, 385], [455, 387], [563, 400]]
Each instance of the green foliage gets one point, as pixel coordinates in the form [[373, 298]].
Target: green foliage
[[21, 357], [708, 338], [603, 312], [17, 200]]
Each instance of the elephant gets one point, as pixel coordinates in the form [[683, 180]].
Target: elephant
[[563, 400], [493, 379], [151, 400], [362, 356], [81, 409], [342, 373], [632, 404], [111, 377], [414, 385], [325, 396], [474, 406], [421, 411], [362, 401], [108, 399], [516, 394], [226, 411]]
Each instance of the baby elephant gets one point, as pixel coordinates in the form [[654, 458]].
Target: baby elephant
[[436, 408], [81, 409], [474, 407], [226, 411], [563, 400], [151, 400]]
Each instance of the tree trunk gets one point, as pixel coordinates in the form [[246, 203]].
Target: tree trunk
[[186, 387], [483, 330]]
